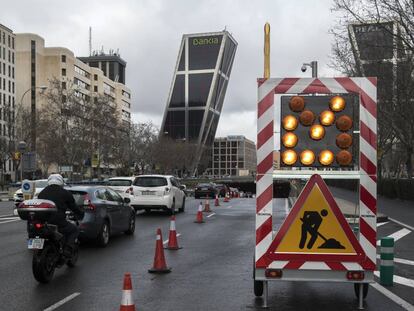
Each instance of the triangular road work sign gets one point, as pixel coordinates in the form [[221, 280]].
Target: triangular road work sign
[[316, 229]]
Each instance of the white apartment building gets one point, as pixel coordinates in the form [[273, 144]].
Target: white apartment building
[[7, 98], [37, 64]]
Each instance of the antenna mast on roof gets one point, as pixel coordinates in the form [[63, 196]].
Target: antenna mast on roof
[[90, 41]]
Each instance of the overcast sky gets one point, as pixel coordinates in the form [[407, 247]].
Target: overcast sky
[[148, 35]]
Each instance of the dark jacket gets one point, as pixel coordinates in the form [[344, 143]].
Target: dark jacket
[[64, 201]]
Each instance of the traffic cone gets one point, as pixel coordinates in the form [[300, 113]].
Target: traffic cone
[[199, 218], [207, 205], [226, 197], [216, 201], [172, 239], [160, 265], [127, 303]]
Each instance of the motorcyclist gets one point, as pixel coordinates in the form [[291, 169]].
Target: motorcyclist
[[64, 201]]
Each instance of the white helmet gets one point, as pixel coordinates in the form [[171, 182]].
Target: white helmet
[[55, 179]]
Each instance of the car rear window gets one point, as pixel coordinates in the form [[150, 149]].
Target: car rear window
[[120, 182], [41, 183], [79, 197], [151, 182], [204, 185]]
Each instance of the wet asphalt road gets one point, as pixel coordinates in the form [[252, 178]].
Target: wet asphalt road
[[213, 270]]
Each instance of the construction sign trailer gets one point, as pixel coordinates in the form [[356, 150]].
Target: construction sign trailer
[[323, 128]]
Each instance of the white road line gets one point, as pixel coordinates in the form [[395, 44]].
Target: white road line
[[166, 241], [400, 260], [397, 235], [8, 218], [400, 280], [7, 221], [230, 206], [399, 301], [379, 224], [212, 214], [401, 223], [62, 302], [287, 206]]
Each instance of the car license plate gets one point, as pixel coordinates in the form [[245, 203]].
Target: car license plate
[[148, 192], [35, 243], [204, 189]]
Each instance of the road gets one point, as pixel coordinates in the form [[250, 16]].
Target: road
[[213, 270]]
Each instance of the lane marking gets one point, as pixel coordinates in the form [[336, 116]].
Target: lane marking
[[287, 206], [230, 206], [62, 302], [401, 223], [208, 216], [379, 224], [397, 235], [399, 280], [398, 300], [401, 260], [166, 241], [7, 221]]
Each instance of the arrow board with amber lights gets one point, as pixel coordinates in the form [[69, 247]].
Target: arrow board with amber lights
[[316, 230], [319, 131]]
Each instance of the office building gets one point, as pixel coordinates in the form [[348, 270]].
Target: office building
[[198, 88], [37, 64], [7, 101], [232, 156], [111, 64]]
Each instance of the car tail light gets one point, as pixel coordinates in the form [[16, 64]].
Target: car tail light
[[38, 226], [87, 203], [167, 190], [130, 191], [273, 273], [355, 275]]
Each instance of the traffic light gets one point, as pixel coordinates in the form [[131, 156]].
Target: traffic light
[[317, 131]]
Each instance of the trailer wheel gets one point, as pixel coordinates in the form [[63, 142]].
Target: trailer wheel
[[258, 285], [364, 289], [258, 288]]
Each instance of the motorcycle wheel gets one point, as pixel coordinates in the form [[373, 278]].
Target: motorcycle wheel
[[75, 255], [43, 263]]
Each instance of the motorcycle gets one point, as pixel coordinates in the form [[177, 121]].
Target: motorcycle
[[47, 243]]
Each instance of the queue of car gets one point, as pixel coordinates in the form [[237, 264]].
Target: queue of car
[[110, 209]]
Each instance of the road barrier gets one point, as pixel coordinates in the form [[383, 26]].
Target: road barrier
[[199, 218], [172, 239], [127, 303], [387, 261], [159, 266]]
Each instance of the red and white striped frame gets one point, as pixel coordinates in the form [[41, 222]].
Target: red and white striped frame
[[367, 89]]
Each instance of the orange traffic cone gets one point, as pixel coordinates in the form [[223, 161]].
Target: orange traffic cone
[[216, 201], [207, 205], [199, 218], [160, 265], [226, 197], [172, 239], [127, 303]]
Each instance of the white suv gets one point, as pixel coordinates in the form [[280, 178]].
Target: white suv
[[158, 192]]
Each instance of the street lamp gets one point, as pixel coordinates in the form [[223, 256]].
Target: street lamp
[[21, 147], [33, 113]]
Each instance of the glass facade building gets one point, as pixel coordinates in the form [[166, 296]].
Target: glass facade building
[[198, 88]]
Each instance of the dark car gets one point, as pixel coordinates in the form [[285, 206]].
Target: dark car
[[106, 213], [205, 190], [222, 190], [281, 188]]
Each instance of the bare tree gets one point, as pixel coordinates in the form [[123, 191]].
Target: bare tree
[[395, 114]]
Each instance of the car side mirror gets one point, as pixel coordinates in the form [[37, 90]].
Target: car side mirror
[[182, 187], [127, 200]]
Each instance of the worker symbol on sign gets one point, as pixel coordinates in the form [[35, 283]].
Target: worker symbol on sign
[[311, 221]]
